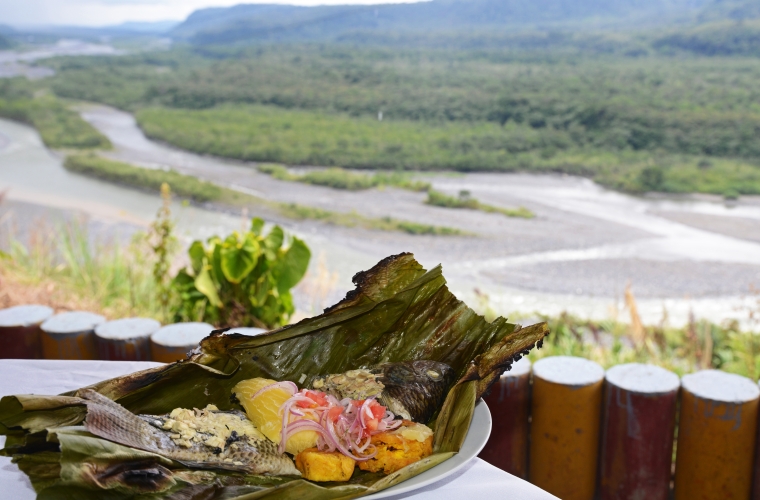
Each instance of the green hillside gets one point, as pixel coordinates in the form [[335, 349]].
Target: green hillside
[[453, 19]]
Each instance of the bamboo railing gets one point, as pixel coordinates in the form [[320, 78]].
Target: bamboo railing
[[633, 412]]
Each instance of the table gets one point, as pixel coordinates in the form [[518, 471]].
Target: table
[[39, 376]]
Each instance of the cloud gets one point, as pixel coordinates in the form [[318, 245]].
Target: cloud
[[98, 12], [131, 2], [108, 12]]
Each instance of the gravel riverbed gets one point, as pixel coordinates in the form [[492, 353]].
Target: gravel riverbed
[[579, 252]]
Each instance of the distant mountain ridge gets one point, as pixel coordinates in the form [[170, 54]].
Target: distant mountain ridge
[[271, 22], [154, 27]]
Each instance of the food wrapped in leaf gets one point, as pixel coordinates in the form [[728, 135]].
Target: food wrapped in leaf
[[398, 313]]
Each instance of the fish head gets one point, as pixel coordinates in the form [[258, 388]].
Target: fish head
[[415, 390]]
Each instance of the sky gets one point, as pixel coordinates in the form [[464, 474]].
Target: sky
[[108, 12]]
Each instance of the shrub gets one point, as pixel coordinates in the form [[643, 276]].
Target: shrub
[[242, 280], [652, 178]]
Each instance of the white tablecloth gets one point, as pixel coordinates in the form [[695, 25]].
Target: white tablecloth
[[477, 480]]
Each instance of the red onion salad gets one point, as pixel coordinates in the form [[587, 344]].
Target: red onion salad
[[346, 425]]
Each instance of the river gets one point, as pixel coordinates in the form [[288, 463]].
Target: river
[[17, 62], [681, 255]]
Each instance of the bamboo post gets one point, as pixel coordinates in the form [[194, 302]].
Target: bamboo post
[[509, 402], [70, 335], [756, 471], [564, 435], [172, 342], [716, 436], [637, 432], [125, 339], [20, 331]]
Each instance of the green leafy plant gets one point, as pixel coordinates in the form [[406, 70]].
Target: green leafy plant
[[243, 279]]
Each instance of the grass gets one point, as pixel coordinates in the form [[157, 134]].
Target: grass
[[63, 268], [700, 345], [464, 200], [192, 188], [340, 178], [697, 346]]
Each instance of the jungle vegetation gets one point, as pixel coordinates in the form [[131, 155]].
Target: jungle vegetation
[[637, 123]]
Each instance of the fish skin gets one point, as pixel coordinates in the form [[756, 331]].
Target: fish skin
[[412, 390], [419, 386], [109, 420]]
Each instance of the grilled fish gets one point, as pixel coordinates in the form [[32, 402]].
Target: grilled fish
[[173, 436], [413, 390]]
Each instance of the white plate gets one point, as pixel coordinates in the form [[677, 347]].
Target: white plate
[[477, 437]]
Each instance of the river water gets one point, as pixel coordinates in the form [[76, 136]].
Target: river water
[[17, 63], [689, 255]]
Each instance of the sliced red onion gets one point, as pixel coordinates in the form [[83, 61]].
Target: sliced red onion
[[343, 449], [362, 412], [304, 425], [345, 434]]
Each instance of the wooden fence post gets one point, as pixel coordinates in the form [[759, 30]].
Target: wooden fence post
[[564, 435], [70, 335], [638, 427], [172, 342], [716, 436], [509, 402], [20, 331], [125, 339], [756, 471]]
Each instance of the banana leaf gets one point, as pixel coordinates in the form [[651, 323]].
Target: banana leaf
[[398, 312]]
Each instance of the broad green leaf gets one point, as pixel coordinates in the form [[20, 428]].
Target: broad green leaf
[[287, 302], [293, 265], [274, 239], [263, 285], [257, 224], [197, 255], [216, 263], [183, 280], [454, 419], [238, 257], [207, 287]]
